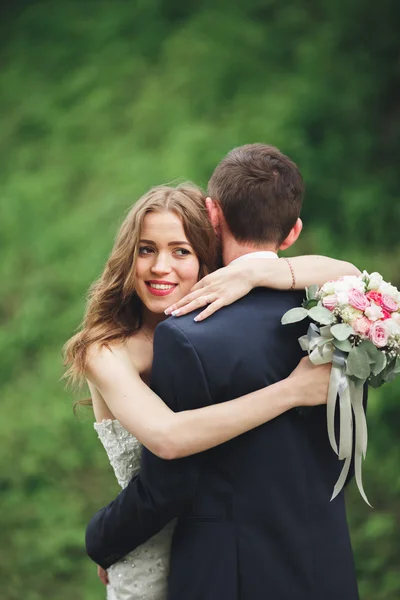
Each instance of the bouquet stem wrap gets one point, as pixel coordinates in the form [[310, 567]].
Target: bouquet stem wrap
[[349, 396]]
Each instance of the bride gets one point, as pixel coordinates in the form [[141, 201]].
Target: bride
[[165, 246]]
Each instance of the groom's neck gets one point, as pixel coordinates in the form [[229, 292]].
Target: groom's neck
[[232, 249]]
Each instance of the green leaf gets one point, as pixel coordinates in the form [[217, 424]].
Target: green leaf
[[321, 314], [311, 292], [343, 345], [396, 368], [392, 370], [294, 315], [358, 363], [310, 303], [370, 349], [341, 331], [379, 364], [376, 381]]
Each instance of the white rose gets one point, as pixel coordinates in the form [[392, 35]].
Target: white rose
[[342, 298], [392, 326], [328, 288], [349, 282], [396, 317], [359, 285], [389, 289], [375, 280], [373, 312]]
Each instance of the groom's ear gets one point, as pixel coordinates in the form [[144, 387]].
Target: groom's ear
[[293, 235], [214, 213]]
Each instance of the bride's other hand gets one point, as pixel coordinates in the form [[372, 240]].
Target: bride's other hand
[[224, 286], [311, 382], [102, 574]]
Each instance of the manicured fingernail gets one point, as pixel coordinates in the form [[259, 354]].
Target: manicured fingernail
[[197, 319], [167, 311], [175, 313]]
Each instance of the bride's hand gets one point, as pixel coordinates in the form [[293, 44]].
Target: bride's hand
[[224, 286], [311, 382], [102, 574]]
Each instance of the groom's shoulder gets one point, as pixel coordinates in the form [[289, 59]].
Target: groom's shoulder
[[259, 304]]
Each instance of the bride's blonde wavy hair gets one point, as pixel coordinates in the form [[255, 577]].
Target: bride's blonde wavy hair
[[114, 311]]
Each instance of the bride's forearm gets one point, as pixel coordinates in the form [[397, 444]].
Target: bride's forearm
[[308, 270], [193, 431]]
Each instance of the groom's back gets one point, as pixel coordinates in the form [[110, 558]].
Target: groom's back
[[261, 518]]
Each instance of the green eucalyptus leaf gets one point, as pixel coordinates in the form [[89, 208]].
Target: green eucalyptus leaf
[[294, 315], [311, 292], [370, 349], [325, 331], [320, 314], [310, 303], [379, 364], [358, 363], [392, 370], [343, 345], [396, 368], [376, 381], [342, 331]]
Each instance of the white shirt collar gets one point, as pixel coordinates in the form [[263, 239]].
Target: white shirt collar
[[260, 254]]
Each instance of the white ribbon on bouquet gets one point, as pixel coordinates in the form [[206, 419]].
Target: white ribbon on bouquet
[[319, 344]]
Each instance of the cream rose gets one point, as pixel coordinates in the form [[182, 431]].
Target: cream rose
[[350, 314], [328, 288]]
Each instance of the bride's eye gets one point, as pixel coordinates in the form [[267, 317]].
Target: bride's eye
[[144, 250], [182, 252]]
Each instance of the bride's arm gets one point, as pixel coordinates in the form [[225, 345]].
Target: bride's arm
[[230, 283], [174, 435], [307, 270]]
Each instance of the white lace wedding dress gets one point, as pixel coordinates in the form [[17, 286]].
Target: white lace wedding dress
[[142, 574]]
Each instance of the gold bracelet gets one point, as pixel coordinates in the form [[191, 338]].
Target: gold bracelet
[[292, 272]]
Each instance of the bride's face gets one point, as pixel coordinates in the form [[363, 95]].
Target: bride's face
[[167, 267]]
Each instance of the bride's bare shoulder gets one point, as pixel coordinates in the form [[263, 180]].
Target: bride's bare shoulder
[[128, 352]]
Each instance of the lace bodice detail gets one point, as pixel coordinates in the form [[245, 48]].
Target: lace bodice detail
[[141, 574], [122, 448]]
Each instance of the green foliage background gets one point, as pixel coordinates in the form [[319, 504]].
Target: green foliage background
[[98, 102]]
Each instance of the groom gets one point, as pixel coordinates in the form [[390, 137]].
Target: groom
[[255, 519]]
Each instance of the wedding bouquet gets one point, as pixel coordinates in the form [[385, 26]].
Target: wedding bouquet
[[356, 328]]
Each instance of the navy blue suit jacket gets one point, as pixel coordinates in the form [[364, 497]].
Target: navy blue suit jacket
[[255, 519]]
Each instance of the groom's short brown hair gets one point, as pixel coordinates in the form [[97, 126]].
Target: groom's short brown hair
[[260, 191]]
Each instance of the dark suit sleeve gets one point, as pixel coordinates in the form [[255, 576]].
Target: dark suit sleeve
[[164, 489]]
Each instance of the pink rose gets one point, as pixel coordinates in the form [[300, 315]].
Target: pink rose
[[358, 300], [330, 301], [386, 314], [378, 334], [376, 297], [389, 304], [362, 326]]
